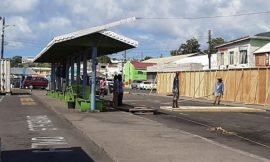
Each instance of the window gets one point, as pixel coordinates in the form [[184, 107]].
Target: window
[[243, 57], [231, 58], [140, 72], [221, 58]]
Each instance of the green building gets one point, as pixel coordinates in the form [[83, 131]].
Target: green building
[[135, 70]]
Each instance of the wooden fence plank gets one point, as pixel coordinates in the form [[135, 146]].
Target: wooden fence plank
[[244, 85]]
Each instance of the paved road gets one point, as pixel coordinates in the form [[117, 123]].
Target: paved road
[[249, 132], [31, 132]]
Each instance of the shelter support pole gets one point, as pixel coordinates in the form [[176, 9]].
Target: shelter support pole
[[72, 60], [67, 71], [52, 76], [93, 83], [84, 74], [78, 69]]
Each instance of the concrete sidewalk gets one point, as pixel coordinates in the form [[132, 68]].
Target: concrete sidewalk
[[127, 137]]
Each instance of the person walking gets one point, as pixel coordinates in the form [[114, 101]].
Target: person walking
[[121, 90], [175, 90], [115, 91], [22, 81], [219, 89]]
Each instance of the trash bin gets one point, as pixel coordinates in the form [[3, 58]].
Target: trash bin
[[71, 105]]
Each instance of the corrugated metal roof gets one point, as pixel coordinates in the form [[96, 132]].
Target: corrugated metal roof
[[68, 44], [168, 59], [263, 49], [263, 36], [141, 65]]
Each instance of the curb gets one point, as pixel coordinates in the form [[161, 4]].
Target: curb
[[267, 108], [104, 155]]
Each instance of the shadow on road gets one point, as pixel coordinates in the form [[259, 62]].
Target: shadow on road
[[73, 154]]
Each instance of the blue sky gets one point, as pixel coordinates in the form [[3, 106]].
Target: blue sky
[[38, 21]]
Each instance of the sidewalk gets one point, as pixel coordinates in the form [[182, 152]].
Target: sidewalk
[[126, 137]]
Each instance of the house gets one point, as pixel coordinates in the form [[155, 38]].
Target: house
[[187, 62], [113, 69], [262, 56], [166, 60], [239, 53], [42, 71], [135, 70], [203, 60], [27, 59]]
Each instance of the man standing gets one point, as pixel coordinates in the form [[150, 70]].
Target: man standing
[[121, 90], [175, 90], [115, 91]]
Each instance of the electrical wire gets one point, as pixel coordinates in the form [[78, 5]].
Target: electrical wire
[[203, 17]]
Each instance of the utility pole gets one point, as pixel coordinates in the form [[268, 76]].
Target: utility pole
[[209, 48], [124, 61], [2, 36], [142, 56]]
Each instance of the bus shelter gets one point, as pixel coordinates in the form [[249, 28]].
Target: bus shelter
[[64, 51]]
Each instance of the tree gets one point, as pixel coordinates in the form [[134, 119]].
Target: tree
[[191, 46], [104, 59], [147, 58], [175, 52], [215, 42], [16, 61]]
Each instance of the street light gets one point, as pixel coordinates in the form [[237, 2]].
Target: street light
[[2, 46]]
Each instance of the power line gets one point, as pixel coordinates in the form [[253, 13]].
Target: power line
[[203, 17]]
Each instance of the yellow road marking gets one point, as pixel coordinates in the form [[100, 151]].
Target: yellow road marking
[[27, 101]]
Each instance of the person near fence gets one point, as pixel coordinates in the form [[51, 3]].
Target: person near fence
[[175, 90], [219, 89], [115, 91], [121, 90]]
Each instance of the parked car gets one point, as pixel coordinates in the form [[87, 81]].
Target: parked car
[[145, 85], [135, 84], [35, 82], [154, 85]]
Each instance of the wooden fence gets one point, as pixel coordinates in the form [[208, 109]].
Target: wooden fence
[[249, 86]]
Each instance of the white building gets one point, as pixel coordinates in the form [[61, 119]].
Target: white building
[[113, 69], [27, 59], [239, 53], [202, 59]]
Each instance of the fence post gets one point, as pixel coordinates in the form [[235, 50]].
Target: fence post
[[267, 85]]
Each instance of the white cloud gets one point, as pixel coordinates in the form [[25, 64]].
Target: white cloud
[[55, 23], [70, 15], [17, 6], [18, 31]]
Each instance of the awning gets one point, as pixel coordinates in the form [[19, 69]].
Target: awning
[[79, 42], [263, 49]]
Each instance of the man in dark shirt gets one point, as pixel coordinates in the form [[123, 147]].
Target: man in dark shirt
[[175, 90]]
